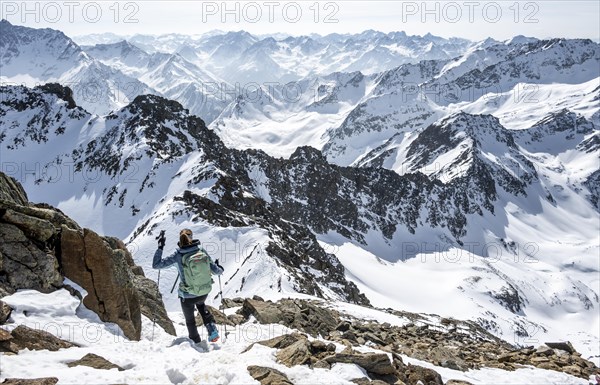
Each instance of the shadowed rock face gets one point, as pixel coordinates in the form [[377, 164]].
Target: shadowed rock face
[[90, 262], [39, 245], [27, 259]]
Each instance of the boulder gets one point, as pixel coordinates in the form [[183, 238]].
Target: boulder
[[264, 312], [303, 315], [24, 337], [377, 363], [283, 341], [36, 228], [31, 381], [564, 346], [322, 364], [4, 335], [544, 351], [415, 373], [5, 311], [94, 361], [151, 302], [232, 302], [236, 319], [88, 260], [573, 370], [279, 342], [309, 317], [297, 353], [458, 382], [268, 376]]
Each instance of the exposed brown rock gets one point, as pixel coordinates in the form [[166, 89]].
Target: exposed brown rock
[[416, 373], [152, 305], [268, 376], [264, 312], [220, 317], [31, 381], [378, 363], [4, 335], [297, 353], [5, 312], [564, 346], [89, 261], [94, 361], [24, 337]]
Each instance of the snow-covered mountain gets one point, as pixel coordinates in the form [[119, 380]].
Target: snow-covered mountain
[[374, 177], [35, 56], [304, 225], [240, 57], [170, 74]]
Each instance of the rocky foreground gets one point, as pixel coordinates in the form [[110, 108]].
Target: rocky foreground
[[40, 246]]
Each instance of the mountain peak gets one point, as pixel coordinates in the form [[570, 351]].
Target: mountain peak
[[308, 153], [63, 92]]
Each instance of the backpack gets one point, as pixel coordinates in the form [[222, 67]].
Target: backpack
[[196, 273]]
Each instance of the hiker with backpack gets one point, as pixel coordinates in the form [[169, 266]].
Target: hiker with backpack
[[195, 268]]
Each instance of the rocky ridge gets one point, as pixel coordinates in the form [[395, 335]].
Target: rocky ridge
[[444, 342]]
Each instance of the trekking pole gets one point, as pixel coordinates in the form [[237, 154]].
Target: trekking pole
[[223, 306], [154, 318], [175, 283], [160, 236]]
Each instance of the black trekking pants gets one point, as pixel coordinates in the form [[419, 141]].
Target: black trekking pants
[[187, 306]]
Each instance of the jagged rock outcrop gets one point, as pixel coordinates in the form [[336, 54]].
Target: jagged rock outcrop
[[151, 302], [456, 345], [27, 257], [39, 244], [89, 261], [150, 298], [296, 249]]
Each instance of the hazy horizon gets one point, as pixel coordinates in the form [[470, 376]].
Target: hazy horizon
[[278, 35], [468, 20]]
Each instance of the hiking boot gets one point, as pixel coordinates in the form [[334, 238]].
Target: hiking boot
[[213, 333]]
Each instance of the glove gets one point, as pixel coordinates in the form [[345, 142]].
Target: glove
[[218, 265], [161, 239]]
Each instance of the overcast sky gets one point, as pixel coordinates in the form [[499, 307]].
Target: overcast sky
[[474, 20]]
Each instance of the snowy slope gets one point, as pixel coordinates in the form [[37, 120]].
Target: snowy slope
[[258, 214], [284, 117], [160, 358]]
